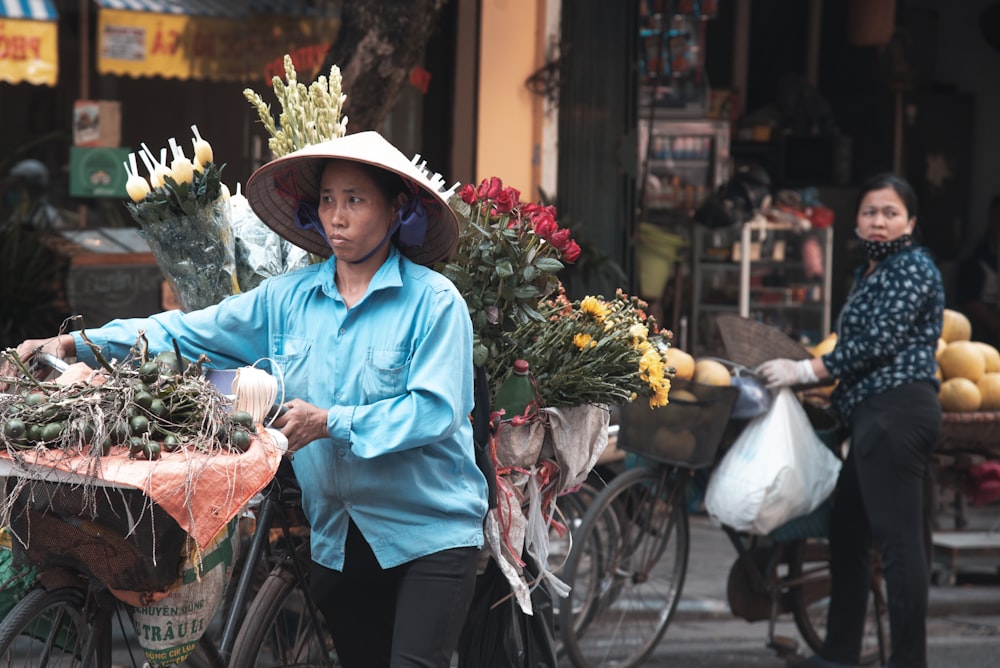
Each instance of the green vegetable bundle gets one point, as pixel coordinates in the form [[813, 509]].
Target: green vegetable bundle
[[145, 405]]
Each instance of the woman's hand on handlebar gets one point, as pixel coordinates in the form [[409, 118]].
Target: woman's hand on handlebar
[[61, 346], [301, 423]]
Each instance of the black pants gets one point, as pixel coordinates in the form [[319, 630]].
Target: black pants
[[880, 499], [405, 617]]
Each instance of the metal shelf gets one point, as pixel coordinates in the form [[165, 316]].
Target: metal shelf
[[714, 277]]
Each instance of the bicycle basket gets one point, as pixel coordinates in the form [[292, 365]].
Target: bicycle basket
[[117, 535], [686, 432]]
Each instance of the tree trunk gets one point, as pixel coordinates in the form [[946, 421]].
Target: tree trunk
[[380, 41]]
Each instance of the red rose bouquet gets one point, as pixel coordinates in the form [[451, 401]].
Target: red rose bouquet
[[505, 265]]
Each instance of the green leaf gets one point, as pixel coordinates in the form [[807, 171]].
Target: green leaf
[[529, 273], [504, 268], [480, 353], [549, 265], [532, 314], [526, 291]]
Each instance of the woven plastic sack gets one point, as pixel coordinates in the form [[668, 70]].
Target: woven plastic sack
[[776, 470], [579, 434], [169, 629]]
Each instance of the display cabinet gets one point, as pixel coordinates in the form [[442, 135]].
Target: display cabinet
[[681, 163], [774, 272]]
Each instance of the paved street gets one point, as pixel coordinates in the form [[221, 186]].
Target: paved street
[[963, 625], [966, 642], [964, 619]]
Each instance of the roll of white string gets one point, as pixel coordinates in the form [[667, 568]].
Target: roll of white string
[[255, 391]]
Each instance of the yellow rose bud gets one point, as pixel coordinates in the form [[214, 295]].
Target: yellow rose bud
[[202, 149], [137, 188], [182, 170]]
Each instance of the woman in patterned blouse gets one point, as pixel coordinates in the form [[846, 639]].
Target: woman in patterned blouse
[[887, 397]]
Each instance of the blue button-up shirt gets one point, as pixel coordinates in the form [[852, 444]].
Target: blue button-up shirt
[[395, 371]]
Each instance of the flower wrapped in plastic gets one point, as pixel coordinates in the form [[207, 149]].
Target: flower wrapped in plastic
[[183, 216], [583, 355], [260, 252], [594, 351]]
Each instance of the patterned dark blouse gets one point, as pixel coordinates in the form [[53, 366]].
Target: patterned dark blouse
[[888, 330]]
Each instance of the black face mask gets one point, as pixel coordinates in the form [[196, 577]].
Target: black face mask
[[880, 250]]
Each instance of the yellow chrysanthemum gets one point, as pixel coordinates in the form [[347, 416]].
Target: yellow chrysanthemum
[[650, 365], [594, 307], [583, 341], [659, 395], [638, 332]]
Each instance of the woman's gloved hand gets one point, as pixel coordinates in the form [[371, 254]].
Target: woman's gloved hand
[[785, 372]]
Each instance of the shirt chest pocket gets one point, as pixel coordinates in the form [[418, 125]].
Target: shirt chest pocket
[[291, 354], [385, 373]]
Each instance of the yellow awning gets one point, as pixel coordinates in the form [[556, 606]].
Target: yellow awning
[[211, 40], [28, 42]]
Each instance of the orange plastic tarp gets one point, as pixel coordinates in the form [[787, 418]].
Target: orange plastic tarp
[[201, 492]]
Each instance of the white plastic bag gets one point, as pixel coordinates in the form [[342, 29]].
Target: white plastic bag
[[776, 470]]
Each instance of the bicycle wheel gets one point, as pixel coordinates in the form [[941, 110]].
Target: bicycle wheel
[[809, 568], [50, 628], [279, 628], [628, 572]]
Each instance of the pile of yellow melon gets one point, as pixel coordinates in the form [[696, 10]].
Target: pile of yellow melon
[[672, 431], [969, 370], [703, 371], [822, 348]]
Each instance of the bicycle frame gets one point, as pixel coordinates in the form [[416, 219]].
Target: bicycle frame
[[258, 543], [267, 514], [764, 580], [805, 583]]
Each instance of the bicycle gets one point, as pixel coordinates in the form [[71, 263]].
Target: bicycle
[[70, 611], [69, 589], [630, 554], [282, 625], [68, 616]]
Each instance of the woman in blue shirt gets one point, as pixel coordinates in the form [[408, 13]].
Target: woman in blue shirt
[[376, 351], [887, 396]]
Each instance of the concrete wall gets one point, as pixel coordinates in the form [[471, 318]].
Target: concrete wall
[[507, 114]]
